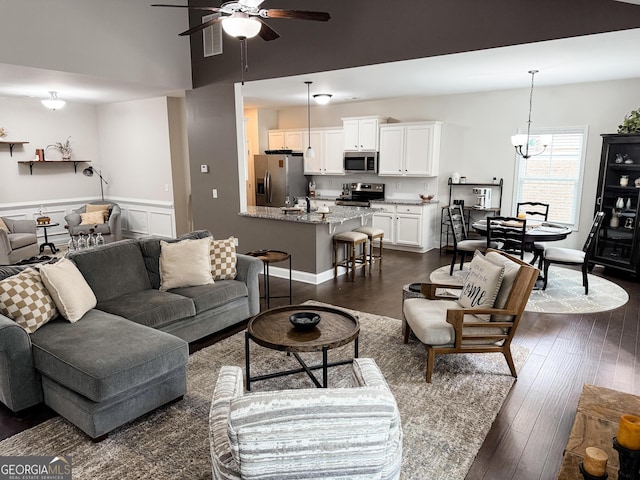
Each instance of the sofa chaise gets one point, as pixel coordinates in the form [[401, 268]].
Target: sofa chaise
[[128, 355]]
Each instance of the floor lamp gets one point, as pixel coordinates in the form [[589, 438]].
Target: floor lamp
[[89, 171]]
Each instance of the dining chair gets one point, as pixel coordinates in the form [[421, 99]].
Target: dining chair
[[571, 256], [536, 211], [508, 234], [461, 244]]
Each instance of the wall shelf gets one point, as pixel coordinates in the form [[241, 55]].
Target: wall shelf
[[38, 162], [11, 145]]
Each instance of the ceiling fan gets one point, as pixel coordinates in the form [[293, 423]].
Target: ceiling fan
[[243, 19]]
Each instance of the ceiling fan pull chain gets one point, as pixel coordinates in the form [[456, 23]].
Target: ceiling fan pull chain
[[243, 58]]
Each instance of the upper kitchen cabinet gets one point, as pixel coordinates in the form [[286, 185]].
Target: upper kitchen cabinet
[[287, 140], [361, 133], [328, 147], [410, 149]]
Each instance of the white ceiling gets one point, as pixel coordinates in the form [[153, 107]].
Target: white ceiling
[[589, 58]]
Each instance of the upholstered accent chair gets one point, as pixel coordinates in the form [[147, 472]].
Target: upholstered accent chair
[[446, 324], [111, 228], [18, 241], [306, 433]]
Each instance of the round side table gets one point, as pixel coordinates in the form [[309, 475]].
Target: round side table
[[47, 243], [268, 257]]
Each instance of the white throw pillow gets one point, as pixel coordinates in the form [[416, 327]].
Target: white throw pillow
[[223, 259], [481, 287], [185, 264], [68, 288], [25, 300]]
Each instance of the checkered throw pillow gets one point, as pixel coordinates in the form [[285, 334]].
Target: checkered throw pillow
[[223, 259], [25, 300]]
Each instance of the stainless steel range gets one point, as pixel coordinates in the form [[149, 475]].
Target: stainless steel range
[[360, 194]]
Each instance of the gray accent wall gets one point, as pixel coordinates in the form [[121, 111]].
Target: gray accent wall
[[357, 34]]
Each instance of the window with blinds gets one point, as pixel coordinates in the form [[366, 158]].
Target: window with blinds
[[555, 175]]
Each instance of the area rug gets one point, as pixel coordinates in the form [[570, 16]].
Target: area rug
[[444, 422], [564, 293]]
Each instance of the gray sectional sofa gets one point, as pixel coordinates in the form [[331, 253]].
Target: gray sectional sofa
[[128, 355]]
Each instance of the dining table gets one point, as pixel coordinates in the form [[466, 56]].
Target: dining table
[[536, 231]]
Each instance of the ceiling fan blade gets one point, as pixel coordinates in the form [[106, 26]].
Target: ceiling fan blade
[[199, 28], [267, 33], [209, 9], [297, 14]]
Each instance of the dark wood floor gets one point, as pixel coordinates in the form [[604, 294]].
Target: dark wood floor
[[566, 351]]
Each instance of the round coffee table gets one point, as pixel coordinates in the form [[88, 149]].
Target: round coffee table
[[272, 329]]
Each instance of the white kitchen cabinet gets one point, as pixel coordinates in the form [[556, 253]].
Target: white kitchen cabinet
[[328, 147], [410, 149], [361, 133], [406, 226], [287, 140], [409, 225]]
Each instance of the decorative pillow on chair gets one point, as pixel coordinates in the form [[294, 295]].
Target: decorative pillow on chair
[[3, 226], [105, 209], [481, 287], [223, 259], [185, 264], [25, 300], [68, 288], [92, 218]]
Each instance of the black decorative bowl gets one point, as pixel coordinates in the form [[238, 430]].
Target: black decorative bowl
[[304, 320]]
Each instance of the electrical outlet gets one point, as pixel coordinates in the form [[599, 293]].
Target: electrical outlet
[[235, 241], [204, 168], [215, 193], [398, 185], [166, 187]]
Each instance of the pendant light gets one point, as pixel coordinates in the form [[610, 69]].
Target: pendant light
[[309, 153], [521, 142]]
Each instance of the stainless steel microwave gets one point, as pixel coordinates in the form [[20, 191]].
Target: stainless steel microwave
[[360, 162]]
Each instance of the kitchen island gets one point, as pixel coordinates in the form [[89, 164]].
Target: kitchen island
[[308, 237]]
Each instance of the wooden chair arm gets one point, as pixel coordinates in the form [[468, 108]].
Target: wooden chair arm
[[456, 317], [428, 289]]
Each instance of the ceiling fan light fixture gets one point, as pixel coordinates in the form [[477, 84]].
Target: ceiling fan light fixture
[[53, 102], [240, 25], [322, 98]]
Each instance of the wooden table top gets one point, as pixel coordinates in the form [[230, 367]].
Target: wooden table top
[[596, 423], [270, 256], [272, 329]]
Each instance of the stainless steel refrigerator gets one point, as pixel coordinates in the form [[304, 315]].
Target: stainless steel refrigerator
[[279, 178]]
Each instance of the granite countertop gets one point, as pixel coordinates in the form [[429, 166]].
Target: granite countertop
[[337, 214], [390, 201]]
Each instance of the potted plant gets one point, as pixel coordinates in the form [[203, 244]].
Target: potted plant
[[631, 123], [63, 147]]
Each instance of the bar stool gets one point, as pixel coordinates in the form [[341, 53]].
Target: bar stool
[[373, 233], [351, 241], [268, 257]]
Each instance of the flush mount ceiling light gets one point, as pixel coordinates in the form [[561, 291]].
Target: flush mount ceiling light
[[522, 142], [322, 98], [309, 153], [240, 25], [53, 102]]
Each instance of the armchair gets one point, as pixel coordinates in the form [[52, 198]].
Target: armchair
[[18, 242], [445, 326], [111, 230], [307, 433]]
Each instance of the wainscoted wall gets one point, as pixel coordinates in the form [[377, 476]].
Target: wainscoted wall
[[139, 217]]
